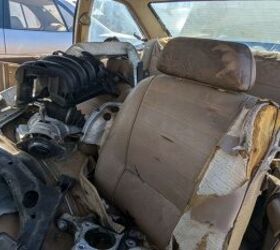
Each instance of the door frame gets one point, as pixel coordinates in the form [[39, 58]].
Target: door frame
[[6, 14], [2, 17], [2, 14]]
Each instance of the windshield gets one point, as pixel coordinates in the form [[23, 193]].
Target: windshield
[[255, 23]]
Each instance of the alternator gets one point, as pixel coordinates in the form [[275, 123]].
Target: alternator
[[44, 136]]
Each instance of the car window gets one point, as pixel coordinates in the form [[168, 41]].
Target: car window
[[31, 20], [17, 18], [68, 17], [255, 23], [57, 21], [112, 19], [35, 15]]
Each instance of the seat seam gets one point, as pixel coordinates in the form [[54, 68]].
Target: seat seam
[[129, 140], [153, 188]]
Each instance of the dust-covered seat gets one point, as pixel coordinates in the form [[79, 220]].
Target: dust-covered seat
[[183, 156]]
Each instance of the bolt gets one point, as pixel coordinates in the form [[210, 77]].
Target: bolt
[[62, 225], [9, 181], [107, 116], [80, 246], [136, 234], [87, 224], [130, 243]]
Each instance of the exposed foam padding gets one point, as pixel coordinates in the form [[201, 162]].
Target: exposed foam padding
[[221, 207]]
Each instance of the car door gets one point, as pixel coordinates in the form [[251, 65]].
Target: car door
[[2, 38], [34, 27]]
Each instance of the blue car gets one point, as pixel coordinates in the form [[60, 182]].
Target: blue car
[[38, 27], [35, 27]]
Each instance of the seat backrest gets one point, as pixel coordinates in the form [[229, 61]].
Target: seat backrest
[[168, 129]]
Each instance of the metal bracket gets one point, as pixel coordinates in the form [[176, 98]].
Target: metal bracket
[[89, 235], [37, 202], [94, 126], [109, 49]]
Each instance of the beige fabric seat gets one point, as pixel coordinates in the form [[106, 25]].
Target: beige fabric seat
[[167, 131]]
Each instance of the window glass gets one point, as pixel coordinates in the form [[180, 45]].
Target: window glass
[[173, 15], [35, 15], [17, 18], [55, 20], [111, 19], [67, 17], [255, 23], [32, 21]]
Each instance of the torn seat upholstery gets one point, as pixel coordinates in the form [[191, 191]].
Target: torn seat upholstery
[[186, 147]]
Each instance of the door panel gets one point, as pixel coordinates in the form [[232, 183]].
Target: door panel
[[34, 28], [34, 43]]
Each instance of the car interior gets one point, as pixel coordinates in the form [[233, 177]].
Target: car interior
[[171, 146]]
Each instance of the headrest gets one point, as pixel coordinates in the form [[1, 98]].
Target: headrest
[[226, 65]]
